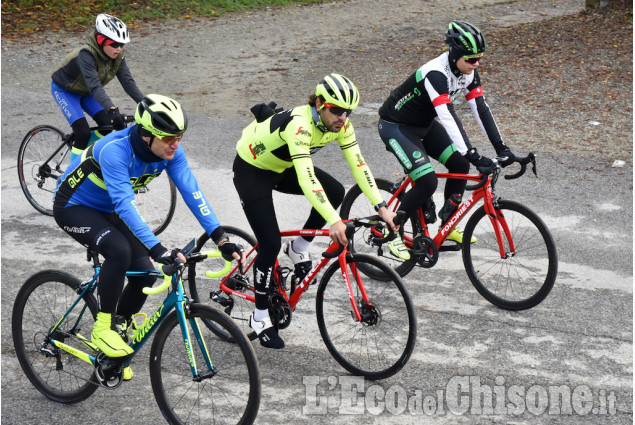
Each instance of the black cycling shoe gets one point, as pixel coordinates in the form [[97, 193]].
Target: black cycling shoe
[[266, 332]]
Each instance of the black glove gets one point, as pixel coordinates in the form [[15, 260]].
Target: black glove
[[505, 157], [228, 248], [116, 119], [483, 164], [162, 255]]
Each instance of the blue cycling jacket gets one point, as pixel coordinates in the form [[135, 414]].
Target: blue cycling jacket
[[109, 171]]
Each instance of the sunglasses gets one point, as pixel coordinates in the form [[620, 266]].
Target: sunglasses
[[472, 59], [336, 110], [170, 139], [116, 45]]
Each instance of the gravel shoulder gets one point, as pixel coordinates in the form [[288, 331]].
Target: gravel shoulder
[[551, 68]]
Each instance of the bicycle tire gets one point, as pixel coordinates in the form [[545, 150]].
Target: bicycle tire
[[38, 144], [156, 202], [201, 287], [380, 345], [355, 205], [40, 304], [231, 395], [518, 282]]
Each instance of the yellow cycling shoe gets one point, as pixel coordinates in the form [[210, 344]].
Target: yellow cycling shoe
[[107, 340], [456, 235], [127, 373], [397, 247]]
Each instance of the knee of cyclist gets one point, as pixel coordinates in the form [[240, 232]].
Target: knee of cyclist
[[82, 134], [457, 164], [118, 254], [337, 196], [426, 185]]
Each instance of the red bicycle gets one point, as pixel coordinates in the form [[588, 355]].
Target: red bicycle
[[513, 263], [367, 324]]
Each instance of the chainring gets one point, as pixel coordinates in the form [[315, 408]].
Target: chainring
[[279, 311]]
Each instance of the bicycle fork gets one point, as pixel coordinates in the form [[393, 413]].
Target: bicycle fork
[[181, 308], [499, 223], [356, 314]]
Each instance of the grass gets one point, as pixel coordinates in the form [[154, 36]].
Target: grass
[[27, 18]]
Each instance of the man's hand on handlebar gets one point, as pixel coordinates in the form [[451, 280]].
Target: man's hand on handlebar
[[337, 232], [505, 157], [234, 251], [388, 216]]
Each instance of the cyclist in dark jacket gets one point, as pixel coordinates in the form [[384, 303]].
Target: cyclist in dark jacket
[[418, 120], [79, 80]]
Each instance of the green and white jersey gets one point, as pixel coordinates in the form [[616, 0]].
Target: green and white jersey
[[288, 138]]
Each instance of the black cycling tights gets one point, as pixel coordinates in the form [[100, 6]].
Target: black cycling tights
[[82, 129], [255, 188], [122, 251], [414, 145]]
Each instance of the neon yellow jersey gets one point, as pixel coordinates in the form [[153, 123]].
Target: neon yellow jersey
[[287, 139]]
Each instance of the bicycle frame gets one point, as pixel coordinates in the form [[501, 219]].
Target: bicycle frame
[[485, 192], [174, 300], [294, 298]]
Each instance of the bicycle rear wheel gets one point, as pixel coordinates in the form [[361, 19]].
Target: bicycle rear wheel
[[37, 173], [381, 343], [525, 277], [206, 290], [227, 393], [41, 302], [356, 205], [156, 202]]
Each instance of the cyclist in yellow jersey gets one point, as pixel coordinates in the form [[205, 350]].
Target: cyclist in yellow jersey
[[274, 153]]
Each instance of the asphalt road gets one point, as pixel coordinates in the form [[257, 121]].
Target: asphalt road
[[578, 342], [579, 337]]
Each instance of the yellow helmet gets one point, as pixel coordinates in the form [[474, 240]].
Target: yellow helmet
[[161, 115], [338, 90]]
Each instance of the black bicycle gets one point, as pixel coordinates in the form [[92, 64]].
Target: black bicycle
[[44, 155]]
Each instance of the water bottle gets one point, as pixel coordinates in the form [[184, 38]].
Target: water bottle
[[451, 205]]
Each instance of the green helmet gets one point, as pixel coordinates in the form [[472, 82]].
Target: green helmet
[[465, 39], [161, 115], [338, 90]]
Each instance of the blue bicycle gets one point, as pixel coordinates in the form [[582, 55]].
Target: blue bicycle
[[197, 377]]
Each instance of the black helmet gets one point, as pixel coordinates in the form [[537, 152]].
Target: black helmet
[[465, 39]]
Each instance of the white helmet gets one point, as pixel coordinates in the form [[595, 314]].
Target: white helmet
[[112, 27]]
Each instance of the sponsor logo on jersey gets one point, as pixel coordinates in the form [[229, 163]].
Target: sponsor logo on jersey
[[303, 132], [257, 149], [319, 194], [360, 160]]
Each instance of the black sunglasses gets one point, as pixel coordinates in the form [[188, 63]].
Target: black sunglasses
[[336, 110], [116, 45]]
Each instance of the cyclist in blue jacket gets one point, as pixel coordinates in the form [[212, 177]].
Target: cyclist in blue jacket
[[95, 204]]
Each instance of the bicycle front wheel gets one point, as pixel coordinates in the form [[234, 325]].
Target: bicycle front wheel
[[525, 276], [42, 159], [42, 301], [206, 290], [380, 344], [156, 202], [357, 205], [226, 390]]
